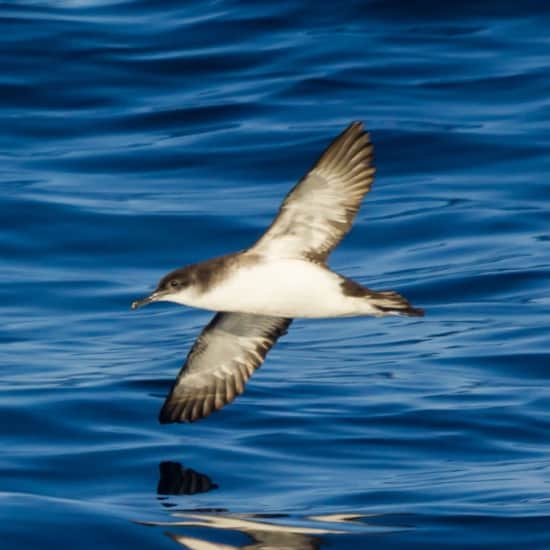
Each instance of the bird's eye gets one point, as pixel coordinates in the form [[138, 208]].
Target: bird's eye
[[174, 283]]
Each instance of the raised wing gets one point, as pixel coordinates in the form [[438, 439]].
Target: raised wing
[[319, 211], [222, 359]]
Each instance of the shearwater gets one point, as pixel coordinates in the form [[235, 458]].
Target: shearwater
[[257, 292]]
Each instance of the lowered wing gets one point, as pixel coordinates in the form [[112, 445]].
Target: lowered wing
[[222, 359]]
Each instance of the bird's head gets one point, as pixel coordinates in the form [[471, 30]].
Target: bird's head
[[171, 288]]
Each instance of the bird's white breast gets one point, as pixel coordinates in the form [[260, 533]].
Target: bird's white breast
[[278, 287]]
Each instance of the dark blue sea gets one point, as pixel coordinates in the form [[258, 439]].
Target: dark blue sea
[[137, 136]]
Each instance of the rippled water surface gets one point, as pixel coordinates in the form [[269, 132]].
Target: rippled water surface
[[138, 136]]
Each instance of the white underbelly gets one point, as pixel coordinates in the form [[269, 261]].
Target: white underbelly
[[284, 288]]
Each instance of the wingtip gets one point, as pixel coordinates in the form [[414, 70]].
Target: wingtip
[[355, 127], [165, 417], [170, 414], [187, 411]]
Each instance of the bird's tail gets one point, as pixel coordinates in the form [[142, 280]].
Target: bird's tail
[[389, 302]]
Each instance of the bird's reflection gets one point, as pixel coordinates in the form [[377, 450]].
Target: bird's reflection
[[264, 532], [176, 480], [262, 535]]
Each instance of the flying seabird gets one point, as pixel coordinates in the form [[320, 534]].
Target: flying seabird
[[257, 292]]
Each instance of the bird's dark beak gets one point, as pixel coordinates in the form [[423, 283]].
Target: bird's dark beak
[[147, 300]]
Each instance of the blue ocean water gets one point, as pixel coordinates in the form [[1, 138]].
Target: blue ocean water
[[137, 136]]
